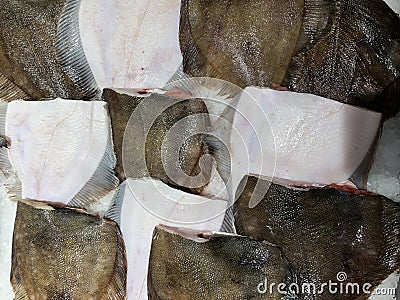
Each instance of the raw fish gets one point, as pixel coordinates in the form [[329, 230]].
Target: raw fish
[[326, 231], [32, 46], [61, 150], [61, 253], [345, 50], [287, 136], [142, 204], [131, 44], [159, 136], [195, 265]]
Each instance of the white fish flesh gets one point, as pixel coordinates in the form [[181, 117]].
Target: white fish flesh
[[142, 204], [57, 147], [287, 136], [131, 44]]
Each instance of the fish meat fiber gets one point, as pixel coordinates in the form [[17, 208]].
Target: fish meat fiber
[[325, 231], [60, 253]]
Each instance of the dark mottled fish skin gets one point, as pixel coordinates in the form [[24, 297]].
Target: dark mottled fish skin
[[351, 55], [221, 267], [122, 106], [28, 58], [244, 42], [324, 231], [346, 50], [65, 254]]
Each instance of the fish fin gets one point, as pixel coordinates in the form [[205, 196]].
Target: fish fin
[[70, 52], [5, 164], [348, 63], [228, 224], [101, 183], [114, 212], [10, 91], [221, 154], [11, 181], [360, 175], [116, 289]]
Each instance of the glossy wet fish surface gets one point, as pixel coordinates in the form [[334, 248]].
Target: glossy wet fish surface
[[315, 46], [143, 126], [324, 231], [28, 55], [59, 253], [216, 267]]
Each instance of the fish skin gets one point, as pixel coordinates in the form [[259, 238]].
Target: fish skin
[[344, 50], [353, 58], [28, 58], [59, 253], [325, 231], [221, 267], [122, 106], [233, 40]]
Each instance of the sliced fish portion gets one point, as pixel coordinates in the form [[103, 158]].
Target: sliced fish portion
[[160, 136], [131, 44], [30, 52], [312, 46], [187, 264], [142, 204], [60, 253], [326, 232], [59, 146], [302, 138]]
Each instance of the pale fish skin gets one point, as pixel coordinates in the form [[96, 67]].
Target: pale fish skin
[[293, 137], [56, 145], [147, 203], [131, 44]]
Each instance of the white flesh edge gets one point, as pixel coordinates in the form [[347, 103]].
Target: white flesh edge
[[298, 137], [131, 44], [138, 223], [56, 145]]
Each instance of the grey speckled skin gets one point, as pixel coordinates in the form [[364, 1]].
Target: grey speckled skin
[[222, 267], [122, 106], [28, 61], [64, 254], [325, 231], [346, 50]]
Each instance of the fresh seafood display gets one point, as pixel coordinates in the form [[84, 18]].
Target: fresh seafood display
[[59, 253], [142, 204], [343, 50], [187, 149], [323, 232]]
